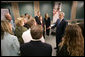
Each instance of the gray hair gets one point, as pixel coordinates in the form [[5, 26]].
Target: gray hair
[[62, 13]]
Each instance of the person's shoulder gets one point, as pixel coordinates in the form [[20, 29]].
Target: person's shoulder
[[57, 20], [13, 37], [27, 31], [16, 27], [46, 44], [44, 19], [24, 28], [25, 44], [64, 20]]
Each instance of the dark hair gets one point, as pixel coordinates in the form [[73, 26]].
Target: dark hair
[[26, 14], [59, 3]]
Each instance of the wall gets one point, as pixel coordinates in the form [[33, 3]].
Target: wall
[[66, 8], [80, 10], [46, 7], [26, 7]]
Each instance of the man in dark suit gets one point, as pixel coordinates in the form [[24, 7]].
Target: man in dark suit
[[60, 28], [37, 17], [36, 47]]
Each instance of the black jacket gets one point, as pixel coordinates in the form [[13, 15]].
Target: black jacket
[[26, 25], [47, 22], [37, 20], [60, 29], [36, 48], [63, 51]]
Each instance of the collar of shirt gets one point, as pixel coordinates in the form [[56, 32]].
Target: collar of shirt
[[35, 39], [61, 20]]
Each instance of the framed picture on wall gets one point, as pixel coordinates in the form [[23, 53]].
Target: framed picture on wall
[[3, 12]]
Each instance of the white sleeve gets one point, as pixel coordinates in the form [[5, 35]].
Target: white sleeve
[[16, 45], [26, 36], [23, 37]]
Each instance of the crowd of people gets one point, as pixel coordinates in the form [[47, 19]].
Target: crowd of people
[[26, 36]]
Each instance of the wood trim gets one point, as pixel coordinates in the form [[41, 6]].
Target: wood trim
[[15, 9], [75, 20], [73, 10], [36, 7]]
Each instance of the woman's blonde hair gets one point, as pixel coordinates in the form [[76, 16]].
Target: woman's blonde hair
[[74, 40], [5, 27], [19, 21]]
